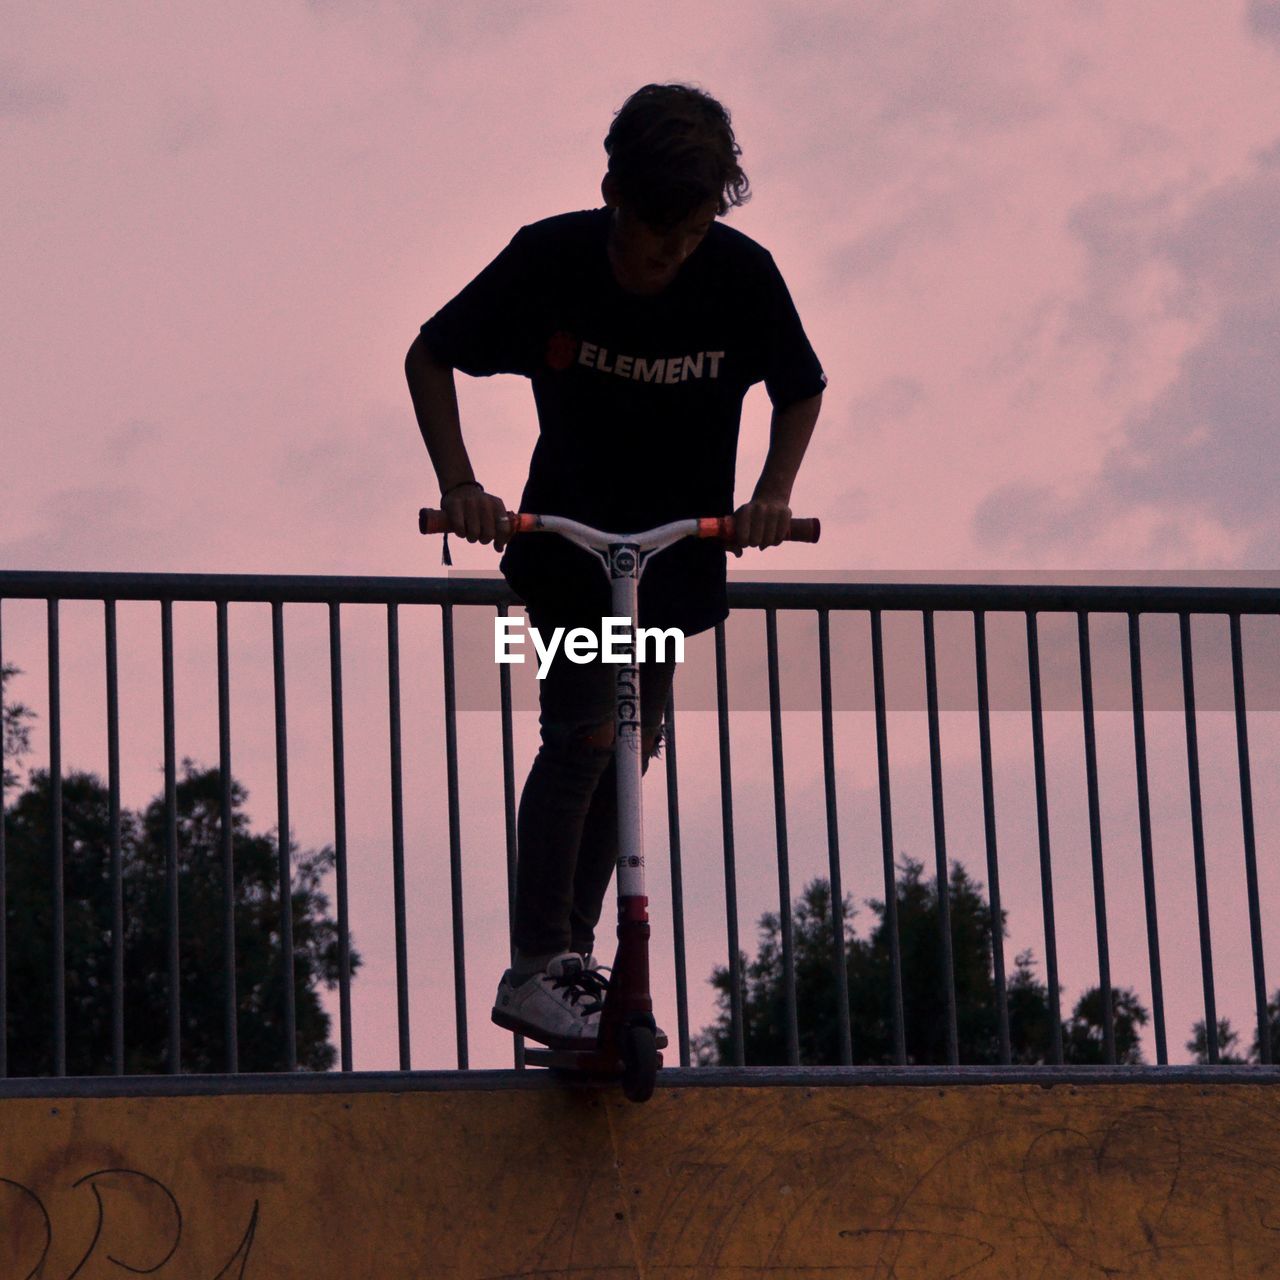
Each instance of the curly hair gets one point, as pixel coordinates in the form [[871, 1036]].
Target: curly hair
[[671, 148]]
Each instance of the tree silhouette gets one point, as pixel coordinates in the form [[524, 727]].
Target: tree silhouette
[[1273, 1032], [869, 973], [1229, 1037], [1082, 1034], [15, 730], [88, 895]]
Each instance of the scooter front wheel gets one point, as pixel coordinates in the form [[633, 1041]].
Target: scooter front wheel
[[639, 1062]]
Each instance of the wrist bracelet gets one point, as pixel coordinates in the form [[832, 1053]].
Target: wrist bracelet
[[462, 484]]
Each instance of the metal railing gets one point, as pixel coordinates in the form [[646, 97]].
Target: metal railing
[[874, 600]]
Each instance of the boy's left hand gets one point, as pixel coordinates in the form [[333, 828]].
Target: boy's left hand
[[762, 522]]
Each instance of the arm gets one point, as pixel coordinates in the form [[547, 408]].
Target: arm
[[435, 402], [764, 521], [473, 513]]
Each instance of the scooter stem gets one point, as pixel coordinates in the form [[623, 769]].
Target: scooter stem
[[629, 995], [624, 573]]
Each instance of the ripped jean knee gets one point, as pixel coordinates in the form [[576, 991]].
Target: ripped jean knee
[[596, 738]]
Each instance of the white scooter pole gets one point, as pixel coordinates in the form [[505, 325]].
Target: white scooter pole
[[625, 567]]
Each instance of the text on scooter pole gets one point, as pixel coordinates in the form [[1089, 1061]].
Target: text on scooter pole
[[582, 645]]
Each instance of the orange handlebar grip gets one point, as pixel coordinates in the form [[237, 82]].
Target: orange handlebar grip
[[803, 529], [432, 521]]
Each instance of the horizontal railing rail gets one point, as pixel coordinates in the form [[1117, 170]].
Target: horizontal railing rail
[[323, 589], [877, 600]]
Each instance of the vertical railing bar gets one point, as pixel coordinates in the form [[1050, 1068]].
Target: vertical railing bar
[[338, 737], [1250, 850], [1095, 838], [4, 889], [1042, 827], [283, 841], [56, 865], [455, 839], [397, 835], [677, 876], [116, 855], [886, 838], [730, 871], [942, 871], [840, 973], [171, 841], [780, 835], [989, 827], [1144, 834], [509, 811], [1197, 837], [226, 804]]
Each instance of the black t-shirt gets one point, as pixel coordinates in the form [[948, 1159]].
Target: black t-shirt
[[639, 399]]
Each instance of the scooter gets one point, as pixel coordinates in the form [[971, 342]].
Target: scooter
[[627, 1046]]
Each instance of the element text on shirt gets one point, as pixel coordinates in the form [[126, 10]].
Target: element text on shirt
[[666, 370]]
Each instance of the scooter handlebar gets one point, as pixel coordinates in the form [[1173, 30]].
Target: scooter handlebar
[[807, 529]]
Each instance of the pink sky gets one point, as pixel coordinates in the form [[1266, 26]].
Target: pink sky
[[1033, 246]]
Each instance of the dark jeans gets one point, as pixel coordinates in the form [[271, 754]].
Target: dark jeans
[[567, 826]]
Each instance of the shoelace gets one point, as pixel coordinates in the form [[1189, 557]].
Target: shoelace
[[589, 984]]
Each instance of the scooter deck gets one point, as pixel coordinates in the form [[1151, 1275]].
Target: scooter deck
[[587, 1061]]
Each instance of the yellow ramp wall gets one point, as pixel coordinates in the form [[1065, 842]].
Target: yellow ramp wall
[[877, 1182]]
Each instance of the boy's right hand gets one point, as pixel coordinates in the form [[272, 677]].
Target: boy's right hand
[[476, 515]]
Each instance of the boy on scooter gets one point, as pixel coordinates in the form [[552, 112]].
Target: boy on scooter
[[641, 326]]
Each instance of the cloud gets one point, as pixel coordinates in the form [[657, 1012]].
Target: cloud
[[899, 160], [1118, 233], [188, 122], [130, 443], [1200, 458], [853, 505], [1263, 20], [1209, 439], [114, 520], [887, 403], [1022, 516], [22, 94], [480, 23], [927, 62], [958, 71], [927, 220], [356, 472]]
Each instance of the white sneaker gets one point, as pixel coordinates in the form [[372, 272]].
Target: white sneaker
[[560, 1008]]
